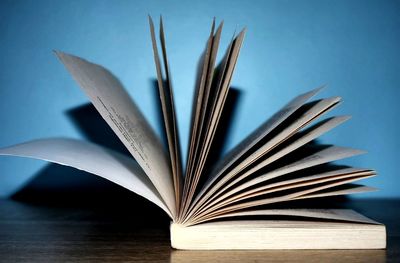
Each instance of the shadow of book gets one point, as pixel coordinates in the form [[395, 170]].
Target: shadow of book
[[94, 128], [57, 186], [60, 186]]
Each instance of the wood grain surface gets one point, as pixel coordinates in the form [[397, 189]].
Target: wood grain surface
[[137, 231]]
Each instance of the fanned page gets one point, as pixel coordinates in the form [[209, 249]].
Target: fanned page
[[298, 186], [168, 109], [223, 81], [330, 214], [281, 147], [300, 140], [94, 159], [299, 118], [295, 180], [122, 115], [212, 105], [205, 95], [233, 156]]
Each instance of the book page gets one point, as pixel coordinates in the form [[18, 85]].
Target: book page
[[254, 138], [125, 119], [206, 96], [94, 159], [306, 118], [301, 139], [214, 94], [222, 88], [331, 214], [309, 114], [202, 95], [349, 189], [294, 195], [329, 154], [307, 181], [168, 109]]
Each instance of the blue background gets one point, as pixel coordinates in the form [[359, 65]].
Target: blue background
[[290, 47]]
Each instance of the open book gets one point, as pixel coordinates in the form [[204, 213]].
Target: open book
[[221, 204]]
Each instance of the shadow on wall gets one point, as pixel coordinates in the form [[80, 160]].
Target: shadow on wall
[[58, 185], [93, 128]]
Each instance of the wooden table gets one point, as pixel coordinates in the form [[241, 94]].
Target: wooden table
[[135, 230]]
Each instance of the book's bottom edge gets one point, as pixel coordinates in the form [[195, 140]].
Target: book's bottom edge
[[260, 235]]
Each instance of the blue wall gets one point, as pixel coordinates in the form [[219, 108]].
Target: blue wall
[[290, 47]]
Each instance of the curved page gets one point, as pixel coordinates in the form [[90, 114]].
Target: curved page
[[125, 119], [287, 185], [91, 158], [239, 150], [329, 214], [168, 111], [294, 195], [308, 116]]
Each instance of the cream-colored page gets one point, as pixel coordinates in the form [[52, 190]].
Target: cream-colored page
[[217, 108], [210, 94], [309, 136], [329, 154], [315, 132], [350, 189], [284, 198], [316, 111], [125, 119], [223, 88], [313, 113], [310, 183], [255, 137], [199, 101], [168, 110], [296, 194], [220, 186], [332, 214], [91, 158], [286, 185], [204, 97]]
